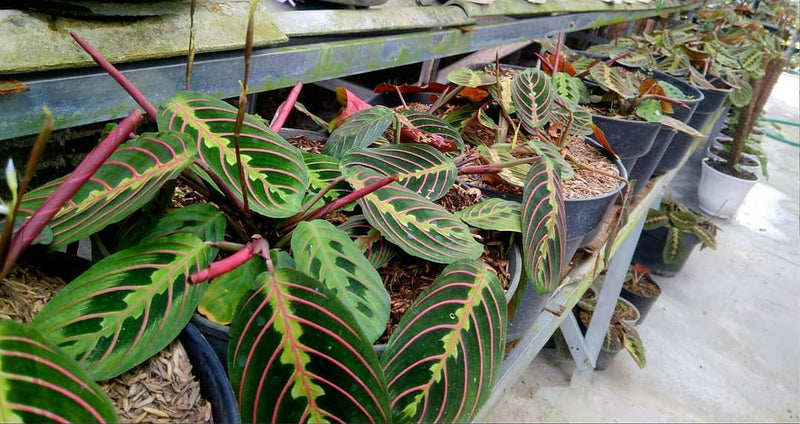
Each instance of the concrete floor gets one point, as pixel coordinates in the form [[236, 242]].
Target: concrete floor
[[723, 340]]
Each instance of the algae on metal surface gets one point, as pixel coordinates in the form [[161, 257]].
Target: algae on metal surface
[[31, 41], [519, 7], [393, 15]]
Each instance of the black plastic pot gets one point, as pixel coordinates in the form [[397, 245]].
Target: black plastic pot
[[585, 215], [629, 138], [214, 384], [525, 303], [646, 165], [650, 248], [642, 303], [681, 142]]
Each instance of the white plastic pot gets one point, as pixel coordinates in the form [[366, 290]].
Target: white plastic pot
[[721, 194], [755, 169]]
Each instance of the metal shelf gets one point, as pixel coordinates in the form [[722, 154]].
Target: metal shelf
[[87, 95]]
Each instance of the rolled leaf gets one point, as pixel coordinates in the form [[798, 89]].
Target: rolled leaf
[[359, 131], [296, 355], [327, 254], [369, 241], [445, 355], [421, 168], [127, 180], [414, 224], [276, 176], [533, 96], [500, 153], [42, 384], [128, 306], [677, 125], [493, 215], [434, 125], [544, 228]]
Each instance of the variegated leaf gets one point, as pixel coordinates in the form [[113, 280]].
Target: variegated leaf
[[276, 176], [683, 220], [469, 78], [611, 80], [655, 219], [494, 215], [502, 94], [752, 58], [544, 228], [741, 95], [674, 246], [458, 117], [421, 168], [581, 119], [414, 224], [570, 89], [327, 254], [359, 130], [128, 306], [128, 179], [42, 384], [370, 241], [533, 95], [322, 171], [445, 355], [224, 293], [201, 220], [500, 153], [434, 125], [634, 345], [296, 355]]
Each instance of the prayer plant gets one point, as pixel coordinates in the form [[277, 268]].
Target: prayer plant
[[304, 298]]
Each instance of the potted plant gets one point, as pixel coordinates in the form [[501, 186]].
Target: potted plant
[[312, 291], [640, 289], [620, 334], [670, 235]]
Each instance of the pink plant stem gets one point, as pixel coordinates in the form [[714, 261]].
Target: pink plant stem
[[544, 62], [558, 53], [286, 107], [31, 229], [222, 266], [117, 75], [482, 169], [669, 99]]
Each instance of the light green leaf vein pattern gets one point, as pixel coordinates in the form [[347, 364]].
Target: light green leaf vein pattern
[[128, 306], [327, 253]]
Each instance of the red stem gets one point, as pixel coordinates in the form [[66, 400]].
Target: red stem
[[117, 75], [31, 229], [342, 201], [546, 63], [286, 107], [668, 99], [481, 169], [558, 54], [222, 266]]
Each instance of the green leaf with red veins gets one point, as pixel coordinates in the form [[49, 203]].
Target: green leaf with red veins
[[276, 176], [494, 215], [533, 96], [127, 180], [416, 225], [444, 358], [359, 130], [39, 383], [296, 355], [611, 79], [327, 254], [127, 307], [369, 240], [500, 153], [421, 168], [503, 95], [544, 228], [323, 170]]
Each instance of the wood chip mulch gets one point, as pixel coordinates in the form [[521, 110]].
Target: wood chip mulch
[[306, 144], [587, 182], [162, 389]]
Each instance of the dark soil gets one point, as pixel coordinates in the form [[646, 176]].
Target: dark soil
[[743, 160], [643, 287], [722, 166]]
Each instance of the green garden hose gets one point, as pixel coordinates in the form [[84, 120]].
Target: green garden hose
[[778, 137]]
